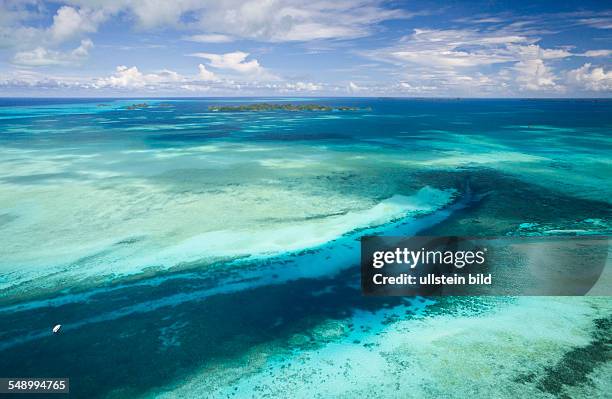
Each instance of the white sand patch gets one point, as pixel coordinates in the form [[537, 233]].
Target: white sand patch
[[436, 357], [119, 213], [309, 234]]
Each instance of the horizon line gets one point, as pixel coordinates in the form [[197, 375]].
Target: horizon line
[[310, 97]]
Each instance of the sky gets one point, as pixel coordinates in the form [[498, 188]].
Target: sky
[[97, 48]]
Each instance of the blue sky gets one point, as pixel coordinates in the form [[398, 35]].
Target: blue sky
[[307, 48]]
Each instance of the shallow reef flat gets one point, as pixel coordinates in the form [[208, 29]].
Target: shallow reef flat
[[276, 330], [462, 347], [193, 253], [161, 209]]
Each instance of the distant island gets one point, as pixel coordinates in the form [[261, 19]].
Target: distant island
[[280, 107], [137, 106], [141, 105]]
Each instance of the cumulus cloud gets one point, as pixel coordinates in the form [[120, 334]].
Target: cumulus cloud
[[167, 80], [479, 55], [133, 80], [279, 20], [455, 60], [209, 22], [70, 22], [41, 56], [205, 74], [534, 75], [217, 21], [591, 78], [236, 62], [131, 77]]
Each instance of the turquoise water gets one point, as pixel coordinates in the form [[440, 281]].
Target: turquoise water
[[190, 253]]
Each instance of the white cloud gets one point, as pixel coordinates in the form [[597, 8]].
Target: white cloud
[[604, 22], [442, 49], [70, 22], [237, 62], [303, 86], [171, 81], [415, 89], [491, 55], [14, 18], [131, 80], [353, 87], [41, 56], [264, 20], [205, 74], [452, 48], [447, 58], [125, 77], [464, 48], [534, 75], [38, 57], [24, 79], [534, 51], [294, 20], [472, 62], [209, 21], [161, 13], [597, 53], [209, 38], [591, 78]]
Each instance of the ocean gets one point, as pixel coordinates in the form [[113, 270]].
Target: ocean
[[196, 253]]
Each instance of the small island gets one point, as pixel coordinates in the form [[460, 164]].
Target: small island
[[278, 107], [137, 106]]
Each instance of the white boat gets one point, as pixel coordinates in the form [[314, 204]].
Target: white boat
[[56, 328]]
